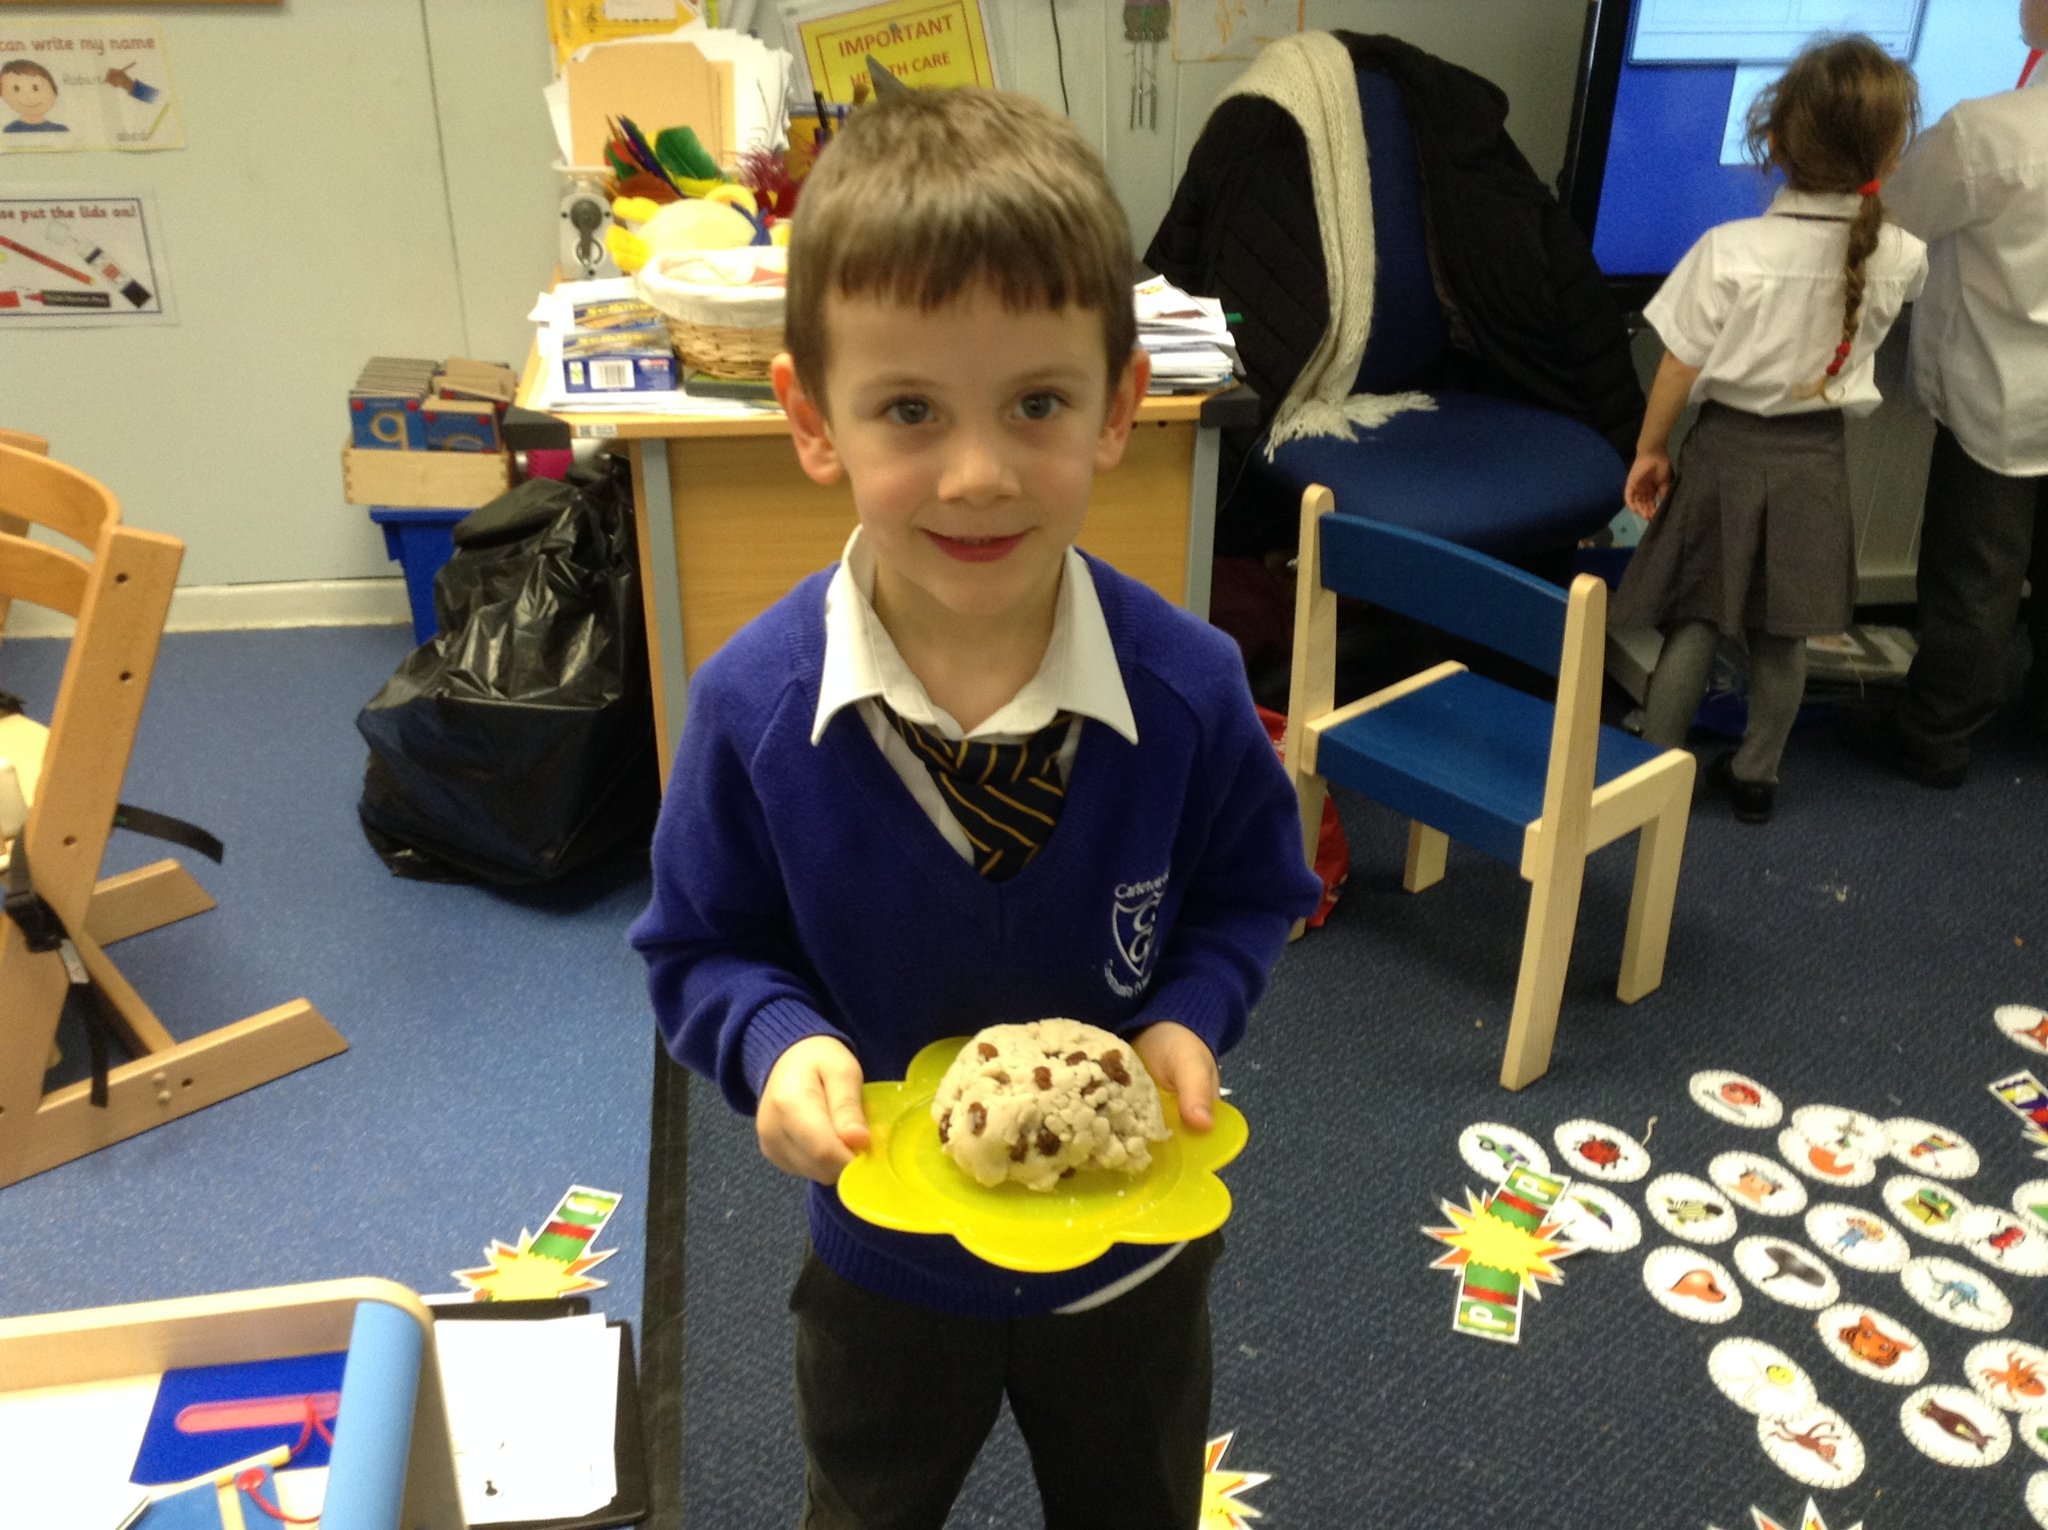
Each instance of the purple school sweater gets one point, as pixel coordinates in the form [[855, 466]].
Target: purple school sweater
[[799, 890]]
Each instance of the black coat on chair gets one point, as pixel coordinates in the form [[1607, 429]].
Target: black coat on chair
[[1486, 289]]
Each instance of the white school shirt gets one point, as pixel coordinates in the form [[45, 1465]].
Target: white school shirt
[[1079, 674], [1756, 305], [1975, 187]]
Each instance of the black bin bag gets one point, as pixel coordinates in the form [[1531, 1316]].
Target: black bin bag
[[518, 745]]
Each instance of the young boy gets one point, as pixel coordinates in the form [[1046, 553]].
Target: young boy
[[833, 889]]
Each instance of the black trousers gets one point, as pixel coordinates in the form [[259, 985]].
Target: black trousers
[[894, 1402], [1981, 536]]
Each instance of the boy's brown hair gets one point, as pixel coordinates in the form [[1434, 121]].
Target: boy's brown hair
[[29, 66], [922, 196], [1835, 121]]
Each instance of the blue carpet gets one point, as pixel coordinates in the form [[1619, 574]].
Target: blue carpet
[[499, 1046], [1850, 953]]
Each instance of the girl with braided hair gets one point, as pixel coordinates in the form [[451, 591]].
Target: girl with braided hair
[[1771, 325]]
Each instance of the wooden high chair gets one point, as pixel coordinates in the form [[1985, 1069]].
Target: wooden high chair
[[69, 781]]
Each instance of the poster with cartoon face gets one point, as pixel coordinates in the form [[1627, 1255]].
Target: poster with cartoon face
[[74, 85]]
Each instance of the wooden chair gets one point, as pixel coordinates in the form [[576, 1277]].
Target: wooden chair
[[1536, 784], [69, 781]]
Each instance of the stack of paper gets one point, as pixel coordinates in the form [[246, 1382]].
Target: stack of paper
[[731, 88], [1186, 337]]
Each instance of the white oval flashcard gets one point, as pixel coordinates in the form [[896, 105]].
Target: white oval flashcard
[[1815, 1446], [1690, 1208], [1760, 1378], [1687, 1282], [2032, 1428], [1787, 1273], [1594, 1217], [1829, 1163], [1955, 1426], [1922, 1206], [1736, 1098], [1956, 1293], [1928, 1149], [1491, 1150], [2026, 1024], [1861, 1239], [1596, 1150], [2009, 1375], [1756, 1183], [1848, 1131], [1873, 1344], [2030, 1201], [2004, 1241]]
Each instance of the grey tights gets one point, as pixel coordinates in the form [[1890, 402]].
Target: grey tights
[[1777, 681]]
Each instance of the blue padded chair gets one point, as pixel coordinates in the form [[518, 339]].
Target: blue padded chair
[[1537, 784], [1494, 474]]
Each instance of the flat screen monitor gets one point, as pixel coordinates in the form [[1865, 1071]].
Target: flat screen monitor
[[1656, 155]]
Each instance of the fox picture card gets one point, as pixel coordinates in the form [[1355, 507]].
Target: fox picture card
[[210, 1416]]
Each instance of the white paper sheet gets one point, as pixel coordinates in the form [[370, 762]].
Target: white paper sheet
[[531, 1409]]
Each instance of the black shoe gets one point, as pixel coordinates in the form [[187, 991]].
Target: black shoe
[[1753, 799], [1878, 738]]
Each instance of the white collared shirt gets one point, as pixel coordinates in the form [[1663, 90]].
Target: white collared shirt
[[1975, 187], [1079, 675], [1756, 305]]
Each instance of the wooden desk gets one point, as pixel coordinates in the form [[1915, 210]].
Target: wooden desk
[[727, 522]]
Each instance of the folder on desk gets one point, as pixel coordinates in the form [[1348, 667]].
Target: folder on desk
[[630, 1502]]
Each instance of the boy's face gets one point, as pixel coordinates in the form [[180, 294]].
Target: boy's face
[[970, 436], [2034, 22], [30, 95]]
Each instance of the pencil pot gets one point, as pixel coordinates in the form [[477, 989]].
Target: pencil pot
[[723, 307]]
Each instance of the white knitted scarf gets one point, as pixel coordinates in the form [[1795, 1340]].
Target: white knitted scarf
[[1310, 76]]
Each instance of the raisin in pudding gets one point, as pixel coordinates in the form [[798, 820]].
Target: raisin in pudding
[[1032, 1103]]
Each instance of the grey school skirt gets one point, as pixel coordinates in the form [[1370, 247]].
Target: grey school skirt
[[1756, 534]]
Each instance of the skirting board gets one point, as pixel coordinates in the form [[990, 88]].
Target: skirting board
[[230, 607]]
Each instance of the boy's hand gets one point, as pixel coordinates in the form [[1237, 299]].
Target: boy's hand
[[1181, 1062], [810, 1122], [1649, 480]]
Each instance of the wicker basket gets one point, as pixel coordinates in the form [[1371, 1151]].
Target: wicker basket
[[724, 307]]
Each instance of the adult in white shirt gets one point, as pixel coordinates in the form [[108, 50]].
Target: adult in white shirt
[[1975, 187]]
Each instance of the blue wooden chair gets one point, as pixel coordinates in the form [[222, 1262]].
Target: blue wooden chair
[[1537, 784]]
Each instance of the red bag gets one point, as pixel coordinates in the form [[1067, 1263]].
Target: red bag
[[1333, 850]]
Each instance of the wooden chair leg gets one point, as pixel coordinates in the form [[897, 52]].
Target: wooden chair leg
[[1427, 848], [147, 898], [1659, 848], [1539, 987]]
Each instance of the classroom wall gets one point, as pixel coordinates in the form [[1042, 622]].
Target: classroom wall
[[374, 176]]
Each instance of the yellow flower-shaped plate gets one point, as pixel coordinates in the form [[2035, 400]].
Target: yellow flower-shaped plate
[[905, 1182]]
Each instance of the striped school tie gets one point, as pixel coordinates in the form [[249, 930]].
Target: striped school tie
[[1005, 797]]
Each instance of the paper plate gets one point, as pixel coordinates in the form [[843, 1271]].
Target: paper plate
[[905, 1182]]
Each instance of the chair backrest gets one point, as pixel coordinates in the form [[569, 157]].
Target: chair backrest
[[1409, 337], [35, 491], [1442, 585]]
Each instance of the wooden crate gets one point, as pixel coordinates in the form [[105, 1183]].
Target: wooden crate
[[423, 480]]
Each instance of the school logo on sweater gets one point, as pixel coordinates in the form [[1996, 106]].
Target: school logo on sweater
[[1133, 918]]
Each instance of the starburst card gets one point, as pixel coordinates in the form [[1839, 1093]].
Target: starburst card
[[1501, 1246], [555, 1262], [1223, 1489], [2024, 1095]]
